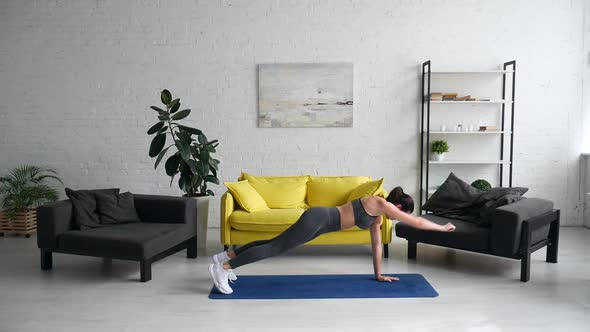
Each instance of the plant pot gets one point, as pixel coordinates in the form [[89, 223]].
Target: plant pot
[[202, 220], [439, 156], [23, 223]]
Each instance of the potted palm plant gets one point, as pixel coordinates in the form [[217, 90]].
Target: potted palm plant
[[189, 156], [22, 191], [439, 148]]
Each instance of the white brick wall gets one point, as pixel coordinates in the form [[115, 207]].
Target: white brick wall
[[77, 78]]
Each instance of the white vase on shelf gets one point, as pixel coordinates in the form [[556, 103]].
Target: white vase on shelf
[[439, 156]]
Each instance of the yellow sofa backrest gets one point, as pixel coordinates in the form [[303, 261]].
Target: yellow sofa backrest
[[280, 192], [332, 190]]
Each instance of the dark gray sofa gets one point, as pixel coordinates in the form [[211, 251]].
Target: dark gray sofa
[[167, 226], [516, 230]]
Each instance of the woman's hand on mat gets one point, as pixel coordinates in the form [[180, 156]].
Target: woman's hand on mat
[[449, 227], [386, 279]]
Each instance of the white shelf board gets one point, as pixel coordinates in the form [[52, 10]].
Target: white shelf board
[[470, 71], [469, 132], [469, 162], [465, 102]]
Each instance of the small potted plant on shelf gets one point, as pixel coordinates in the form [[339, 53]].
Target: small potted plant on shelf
[[22, 191], [190, 156], [439, 148], [481, 184]]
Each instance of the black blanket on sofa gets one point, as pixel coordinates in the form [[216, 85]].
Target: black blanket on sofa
[[457, 199]]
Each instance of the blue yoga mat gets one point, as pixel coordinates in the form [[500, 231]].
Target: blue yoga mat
[[335, 286]]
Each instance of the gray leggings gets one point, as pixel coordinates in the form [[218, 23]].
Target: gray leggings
[[312, 223]]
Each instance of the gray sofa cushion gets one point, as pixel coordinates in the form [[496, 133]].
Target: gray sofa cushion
[[127, 241], [467, 236]]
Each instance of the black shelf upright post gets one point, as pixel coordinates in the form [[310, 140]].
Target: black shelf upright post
[[423, 157], [512, 88]]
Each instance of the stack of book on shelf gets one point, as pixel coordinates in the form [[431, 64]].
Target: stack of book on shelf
[[449, 96], [436, 96], [452, 96], [488, 128]]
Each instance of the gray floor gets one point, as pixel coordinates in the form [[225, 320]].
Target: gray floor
[[477, 293]]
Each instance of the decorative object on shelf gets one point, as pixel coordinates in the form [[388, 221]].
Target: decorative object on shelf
[[23, 190], [443, 128], [305, 95], [439, 148], [481, 184], [488, 128], [192, 158], [493, 101]]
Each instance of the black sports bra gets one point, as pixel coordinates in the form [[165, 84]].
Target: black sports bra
[[362, 219]]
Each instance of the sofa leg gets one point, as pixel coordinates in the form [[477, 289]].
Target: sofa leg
[[553, 241], [386, 250], [412, 248], [46, 260], [225, 248], [525, 267], [145, 268], [191, 247]]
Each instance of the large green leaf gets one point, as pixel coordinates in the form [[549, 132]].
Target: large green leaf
[[184, 182], [163, 129], [184, 149], [163, 117], [184, 136], [213, 171], [193, 166], [159, 110], [190, 130], [157, 145], [214, 163], [202, 139], [155, 128], [204, 156], [172, 164], [174, 105], [212, 179], [160, 156], [181, 115], [166, 97], [203, 168]]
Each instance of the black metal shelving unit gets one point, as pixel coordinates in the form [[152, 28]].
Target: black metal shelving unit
[[509, 69]]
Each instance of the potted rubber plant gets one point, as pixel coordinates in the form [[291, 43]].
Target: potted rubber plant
[[189, 156], [22, 191], [438, 149]]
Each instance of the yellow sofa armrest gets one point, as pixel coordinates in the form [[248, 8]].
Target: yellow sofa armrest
[[228, 206]]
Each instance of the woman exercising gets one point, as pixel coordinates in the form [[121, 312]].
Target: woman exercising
[[364, 213]]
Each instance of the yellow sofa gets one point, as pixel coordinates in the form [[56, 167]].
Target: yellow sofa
[[287, 197]]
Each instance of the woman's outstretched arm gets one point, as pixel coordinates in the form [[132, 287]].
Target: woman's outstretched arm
[[394, 213], [378, 251]]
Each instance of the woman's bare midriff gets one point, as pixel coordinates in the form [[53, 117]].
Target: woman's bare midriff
[[346, 216]]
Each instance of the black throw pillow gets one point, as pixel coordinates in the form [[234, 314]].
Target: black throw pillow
[[116, 209], [84, 202], [454, 193]]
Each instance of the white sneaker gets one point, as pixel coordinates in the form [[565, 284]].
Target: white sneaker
[[220, 277], [221, 258]]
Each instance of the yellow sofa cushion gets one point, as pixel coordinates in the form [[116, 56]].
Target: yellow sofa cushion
[[370, 188], [280, 192], [332, 190], [246, 196], [272, 220]]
